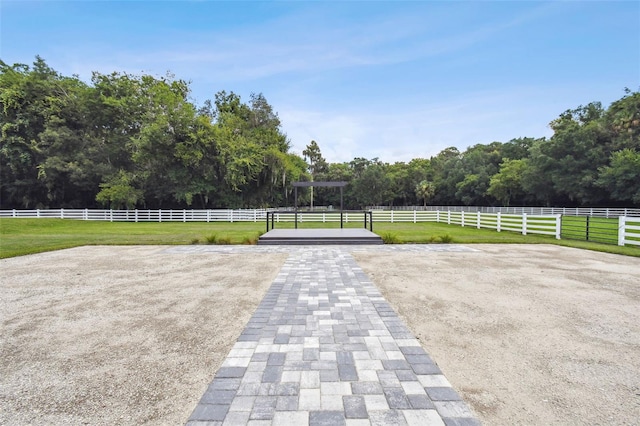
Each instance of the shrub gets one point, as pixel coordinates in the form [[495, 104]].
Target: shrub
[[224, 241], [195, 241], [251, 240], [390, 238], [212, 239], [446, 239]]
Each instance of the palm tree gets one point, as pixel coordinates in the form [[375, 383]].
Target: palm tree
[[425, 190]]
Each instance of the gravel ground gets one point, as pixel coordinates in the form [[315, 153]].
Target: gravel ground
[[133, 335], [120, 335], [529, 334]]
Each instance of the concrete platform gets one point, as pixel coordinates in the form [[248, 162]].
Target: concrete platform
[[319, 236]]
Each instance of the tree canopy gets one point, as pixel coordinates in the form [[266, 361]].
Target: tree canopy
[[127, 141]]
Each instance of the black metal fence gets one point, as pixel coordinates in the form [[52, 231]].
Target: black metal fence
[[590, 228]]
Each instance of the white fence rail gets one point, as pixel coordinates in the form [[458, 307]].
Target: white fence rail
[[628, 231], [249, 215], [572, 211], [525, 223]]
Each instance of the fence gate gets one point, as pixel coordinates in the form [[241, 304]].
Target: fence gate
[[589, 228]]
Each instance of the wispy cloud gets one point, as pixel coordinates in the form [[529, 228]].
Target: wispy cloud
[[420, 130], [297, 43], [394, 80]]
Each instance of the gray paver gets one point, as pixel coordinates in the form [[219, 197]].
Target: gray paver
[[324, 348], [326, 418], [354, 407]]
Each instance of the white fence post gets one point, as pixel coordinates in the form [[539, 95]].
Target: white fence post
[[136, 215], [478, 221], [462, 215], [159, 215], [448, 217], [558, 226], [498, 216], [391, 216], [61, 213], [621, 229], [524, 224], [414, 216], [437, 216]]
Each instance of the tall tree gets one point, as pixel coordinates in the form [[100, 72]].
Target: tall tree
[[621, 178], [425, 190], [506, 185], [317, 163]]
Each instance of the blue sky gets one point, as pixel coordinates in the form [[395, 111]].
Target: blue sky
[[393, 80]]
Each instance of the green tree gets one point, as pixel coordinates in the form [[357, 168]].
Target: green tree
[[506, 185], [622, 119], [447, 172], [119, 192], [621, 178], [47, 150], [373, 186], [425, 190], [317, 163], [563, 170]]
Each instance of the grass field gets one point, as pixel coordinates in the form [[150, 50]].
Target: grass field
[[25, 236]]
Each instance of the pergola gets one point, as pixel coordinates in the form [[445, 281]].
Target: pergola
[[340, 185]]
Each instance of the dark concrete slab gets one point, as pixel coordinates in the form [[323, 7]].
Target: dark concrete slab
[[319, 236]]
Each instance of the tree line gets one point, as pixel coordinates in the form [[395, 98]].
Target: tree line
[[127, 141]]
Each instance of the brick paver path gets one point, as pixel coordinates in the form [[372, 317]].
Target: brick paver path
[[325, 348]]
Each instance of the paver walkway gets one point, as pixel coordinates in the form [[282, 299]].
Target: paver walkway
[[325, 348]]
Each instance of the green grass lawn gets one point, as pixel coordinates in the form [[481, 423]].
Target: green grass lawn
[[25, 236]]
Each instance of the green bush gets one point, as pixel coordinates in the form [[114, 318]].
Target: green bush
[[212, 239], [252, 240], [446, 239], [390, 238], [224, 241]]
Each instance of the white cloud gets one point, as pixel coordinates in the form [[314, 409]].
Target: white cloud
[[418, 130], [300, 42]]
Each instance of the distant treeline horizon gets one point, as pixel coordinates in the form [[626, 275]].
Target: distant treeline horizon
[[127, 141]]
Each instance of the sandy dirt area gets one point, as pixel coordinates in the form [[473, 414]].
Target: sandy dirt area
[[120, 335], [529, 335], [133, 335]]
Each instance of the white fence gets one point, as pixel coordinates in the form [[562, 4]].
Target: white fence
[[249, 215], [572, 211], [525, 223], [628, 231]]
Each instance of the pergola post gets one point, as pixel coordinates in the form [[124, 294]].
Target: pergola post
[[341, 203], [296, 208]]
